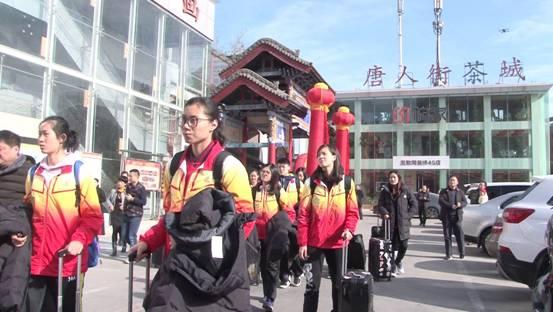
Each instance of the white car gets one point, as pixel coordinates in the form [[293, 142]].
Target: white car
[[495, 189], [478, 220], [523, 253]]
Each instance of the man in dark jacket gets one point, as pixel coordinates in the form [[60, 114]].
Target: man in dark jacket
[[14, 222], [452, 201], [136, 199], [360, 196], [423, 196]]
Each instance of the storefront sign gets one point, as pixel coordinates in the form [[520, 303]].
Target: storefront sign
[[421, 162], [198, 14], [150, 172]]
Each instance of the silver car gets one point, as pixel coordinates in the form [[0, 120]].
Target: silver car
[[478, 220]]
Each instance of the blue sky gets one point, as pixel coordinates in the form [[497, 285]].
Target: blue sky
[[344, 38]]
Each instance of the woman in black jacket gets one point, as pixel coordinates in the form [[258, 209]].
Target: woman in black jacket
[[452, 202], [399, 205]]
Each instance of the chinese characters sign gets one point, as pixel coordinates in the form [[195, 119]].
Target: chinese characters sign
[[374, 76], [421, 162], [150, 172]]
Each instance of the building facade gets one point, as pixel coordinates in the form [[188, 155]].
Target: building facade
[[118, 70], [490, 132]]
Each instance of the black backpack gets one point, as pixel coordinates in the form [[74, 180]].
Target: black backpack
[[217, 167]]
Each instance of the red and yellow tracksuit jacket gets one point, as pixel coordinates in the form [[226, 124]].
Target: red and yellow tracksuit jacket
[[189, 180], [56, 221], [325, 214], [266, 207], [292, 189]]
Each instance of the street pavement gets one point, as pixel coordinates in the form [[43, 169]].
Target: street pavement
[[429, 283]]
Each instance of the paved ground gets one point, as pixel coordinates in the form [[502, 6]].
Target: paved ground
[[430, 283]]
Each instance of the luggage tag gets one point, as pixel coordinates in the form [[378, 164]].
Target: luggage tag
[[217, 247]]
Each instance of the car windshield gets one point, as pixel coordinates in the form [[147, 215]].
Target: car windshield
[[473, 195]]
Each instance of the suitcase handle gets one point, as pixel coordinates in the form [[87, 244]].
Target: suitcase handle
[[61, 254], [132, 258], [344, 258], [387, 225]]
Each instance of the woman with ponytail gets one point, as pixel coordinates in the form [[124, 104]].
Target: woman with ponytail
[[66, 215]]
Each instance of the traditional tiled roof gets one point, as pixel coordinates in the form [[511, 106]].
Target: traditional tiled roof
[[255, 78], [304, 65]]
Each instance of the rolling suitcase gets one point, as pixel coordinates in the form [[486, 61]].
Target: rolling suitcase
[[132, 257], [381, 254], [78, 301], [356, 288]]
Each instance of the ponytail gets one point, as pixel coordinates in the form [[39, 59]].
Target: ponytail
[[60, 126]]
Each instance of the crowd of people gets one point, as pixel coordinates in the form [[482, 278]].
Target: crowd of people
[[300, 221]]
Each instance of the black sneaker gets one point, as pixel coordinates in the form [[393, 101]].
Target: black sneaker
[[296, 282], [285, 284]]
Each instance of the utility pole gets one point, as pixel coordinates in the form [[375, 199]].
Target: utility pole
[[400, 37], [438, 28]]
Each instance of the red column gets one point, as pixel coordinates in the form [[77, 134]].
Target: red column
[[343, 119], [290, 143], [320, 98]]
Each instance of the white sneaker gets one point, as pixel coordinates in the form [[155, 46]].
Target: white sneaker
[[400, 269]]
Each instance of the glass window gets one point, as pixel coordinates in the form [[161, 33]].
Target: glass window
[[371, 182], [511, 144], [70, 99], [171, 69], [378, 145], [476, 108], [141, 126], [81, 10], [169, 139], [147, 27], [195, 58], [108, 131], [144, 72], [112, 57], [510, 108], [421, 143], [510, 175], [20, 87], [115, 18], [518, 107], [73, 44], [499, 108], [377, 111], [466, 176], [423, 110], [465, 144], [465, 108], [23, 25]]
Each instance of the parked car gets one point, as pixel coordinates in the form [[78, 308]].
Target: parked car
[[492, 241], [542, 294], [523, 253], [495, 189], [478, 220], [432, 206]]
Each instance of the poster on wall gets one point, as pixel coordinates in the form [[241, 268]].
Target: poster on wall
[[150, 172]]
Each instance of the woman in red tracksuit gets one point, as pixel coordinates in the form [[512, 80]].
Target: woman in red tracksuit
[[201, 128], [58, 223], [269, 199], [327, 217]]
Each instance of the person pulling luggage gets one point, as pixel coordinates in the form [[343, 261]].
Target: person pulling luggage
[[399, 205]]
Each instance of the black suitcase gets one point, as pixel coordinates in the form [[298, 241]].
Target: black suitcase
[[62, 253], [132, 258], [381, 254], [357, 257], [356, 289]]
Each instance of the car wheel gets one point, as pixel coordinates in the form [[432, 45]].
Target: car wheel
[[432, 212], [484, 237]]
